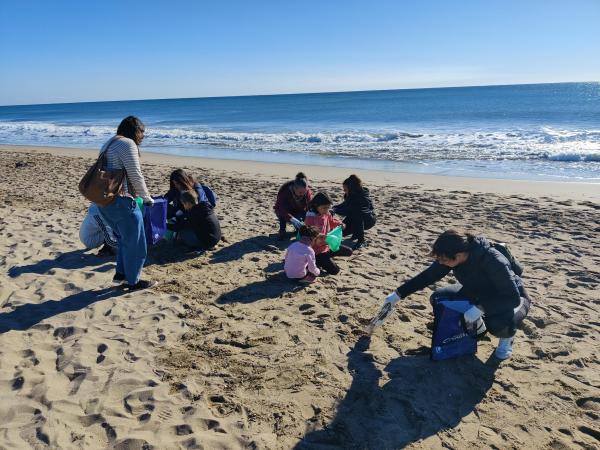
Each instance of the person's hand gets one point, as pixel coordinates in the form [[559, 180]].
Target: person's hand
[[149, 201], [473, 320], [393, 298], [384, 312]]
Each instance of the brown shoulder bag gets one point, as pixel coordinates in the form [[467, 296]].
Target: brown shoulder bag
[[100, 185]]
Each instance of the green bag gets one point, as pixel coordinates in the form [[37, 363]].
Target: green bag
[[334, 238], [140, 203]]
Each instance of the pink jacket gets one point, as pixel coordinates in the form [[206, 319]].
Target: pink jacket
[[324, 224], [298, 258]]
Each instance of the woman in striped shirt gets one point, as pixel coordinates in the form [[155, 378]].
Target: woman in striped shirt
[[123, 215]]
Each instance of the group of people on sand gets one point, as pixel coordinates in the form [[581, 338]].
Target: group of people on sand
[[119, 227], [314, 217], [486, 276]]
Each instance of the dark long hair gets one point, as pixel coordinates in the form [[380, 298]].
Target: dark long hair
[[353, 183], [183, 179], [319, 200], [451, 242], [131, 127]]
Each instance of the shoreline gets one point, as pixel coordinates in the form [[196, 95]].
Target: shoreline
[[566, 190]]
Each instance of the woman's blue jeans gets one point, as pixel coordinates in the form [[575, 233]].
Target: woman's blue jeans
[[124, 217]]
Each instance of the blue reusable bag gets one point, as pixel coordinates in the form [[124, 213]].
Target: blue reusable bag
[[450, 338], [155, 220]]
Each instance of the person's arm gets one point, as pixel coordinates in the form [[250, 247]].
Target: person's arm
[[343, 209], [312, 262], [433, 273], [282, 204], [128, 154]]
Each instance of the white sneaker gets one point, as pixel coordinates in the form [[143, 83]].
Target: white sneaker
[[504, 349]]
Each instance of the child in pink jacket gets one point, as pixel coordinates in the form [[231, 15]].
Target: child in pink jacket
[[300, 263], [319, 217]]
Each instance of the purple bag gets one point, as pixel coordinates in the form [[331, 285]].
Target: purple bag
[[155, 220]]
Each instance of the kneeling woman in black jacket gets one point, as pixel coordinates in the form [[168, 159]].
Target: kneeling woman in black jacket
[[357, 208], [485, 277], [199, 226]]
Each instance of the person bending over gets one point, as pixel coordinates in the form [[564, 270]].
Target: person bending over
[[487, 277], [357, 208], [320, 217], [198, 227], [292, 201], [180, 181], [94, 232]]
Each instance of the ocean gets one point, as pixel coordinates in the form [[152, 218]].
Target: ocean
[[536, 131]]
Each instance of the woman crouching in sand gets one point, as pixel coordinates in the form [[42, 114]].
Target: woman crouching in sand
[[357, 208], [487, 277], [292, 201]]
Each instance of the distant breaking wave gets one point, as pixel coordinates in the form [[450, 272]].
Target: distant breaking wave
[[548, 144]]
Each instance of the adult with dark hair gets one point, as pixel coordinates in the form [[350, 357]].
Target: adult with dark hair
[[198, 227], [292, 201], [123, 215], [357, 208], [181, 181], [487, 277]]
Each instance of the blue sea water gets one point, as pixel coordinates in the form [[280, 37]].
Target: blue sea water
[[538, 131]]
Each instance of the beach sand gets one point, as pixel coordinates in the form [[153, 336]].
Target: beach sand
[[227, 353]]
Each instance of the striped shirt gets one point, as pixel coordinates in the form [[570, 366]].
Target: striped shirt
[[123, 153]]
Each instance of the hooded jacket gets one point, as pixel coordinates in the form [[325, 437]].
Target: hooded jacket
[[486, 276], [355, 202], [288, 203]]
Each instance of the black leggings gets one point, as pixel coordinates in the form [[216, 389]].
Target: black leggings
[[503, 324], [357, 223], [325, 261]]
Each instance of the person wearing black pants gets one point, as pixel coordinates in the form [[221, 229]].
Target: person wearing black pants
[[325, 260], [488, 277], [357, 208]]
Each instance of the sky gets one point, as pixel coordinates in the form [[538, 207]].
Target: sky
[[73, 51]]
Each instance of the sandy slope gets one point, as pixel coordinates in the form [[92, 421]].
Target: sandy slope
[[228, 354]]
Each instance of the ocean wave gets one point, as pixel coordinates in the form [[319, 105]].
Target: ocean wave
[[546, 143]]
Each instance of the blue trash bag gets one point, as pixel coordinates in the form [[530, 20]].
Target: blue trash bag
[[450, 337], [155, 220]]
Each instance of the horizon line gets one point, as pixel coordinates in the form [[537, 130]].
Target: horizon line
[[297, 93]]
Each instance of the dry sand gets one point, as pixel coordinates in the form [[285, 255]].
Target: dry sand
[[228, 354]]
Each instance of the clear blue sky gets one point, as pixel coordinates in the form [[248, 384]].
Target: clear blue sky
[[61, 51]]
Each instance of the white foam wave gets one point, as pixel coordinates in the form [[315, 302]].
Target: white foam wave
[[548, 144]]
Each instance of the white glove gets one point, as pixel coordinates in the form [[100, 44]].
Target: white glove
[[149, 201], [393, 298], [474, 320], [297, 223]]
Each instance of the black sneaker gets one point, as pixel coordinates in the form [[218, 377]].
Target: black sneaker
[[106, 250], [119, 278], [141, 285], [359, 245]]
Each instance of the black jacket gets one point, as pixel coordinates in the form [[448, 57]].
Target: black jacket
[[203, 221], [354, 203], [486, 277]]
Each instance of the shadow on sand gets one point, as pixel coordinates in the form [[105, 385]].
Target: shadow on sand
[[421, 398], [272, 287], [30, 314], [254, 244], [76, 259]]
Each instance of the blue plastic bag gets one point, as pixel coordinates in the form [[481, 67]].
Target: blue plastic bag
[[450, 338], [155, 220]]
